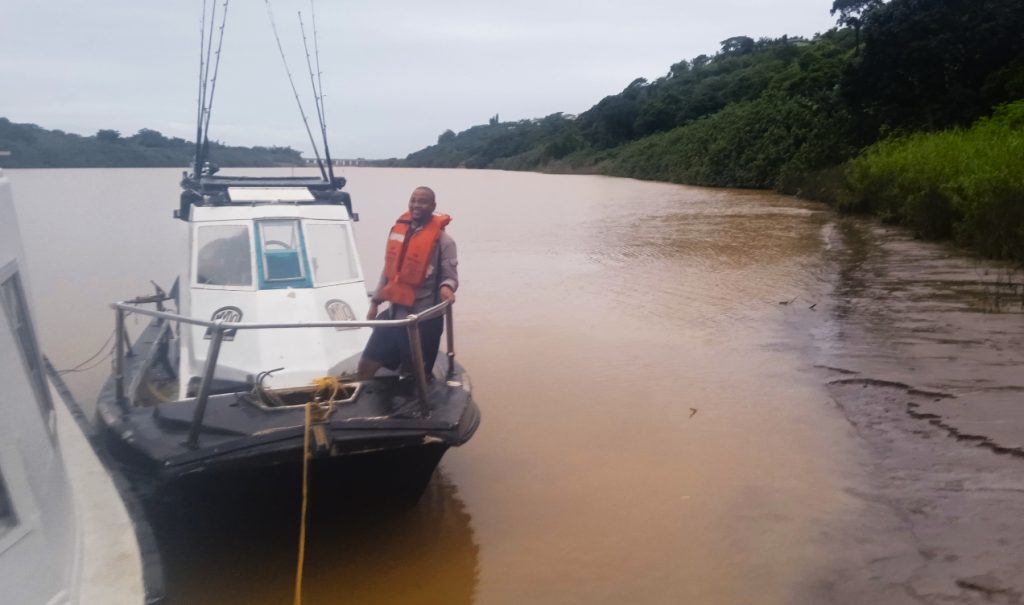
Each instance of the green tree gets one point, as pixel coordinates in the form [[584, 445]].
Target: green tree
[[678, 69], [107, 135], [852, 14], [739, 45], [930, 64], [150, 138]]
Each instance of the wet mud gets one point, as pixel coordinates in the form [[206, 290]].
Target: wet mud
[[932, 318], [921, 350]]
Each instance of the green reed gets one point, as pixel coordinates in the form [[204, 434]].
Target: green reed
[[965, 184]]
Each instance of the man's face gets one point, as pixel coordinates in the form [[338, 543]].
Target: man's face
[[421, 206]]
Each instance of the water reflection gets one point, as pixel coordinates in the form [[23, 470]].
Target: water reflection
[[244, 550]]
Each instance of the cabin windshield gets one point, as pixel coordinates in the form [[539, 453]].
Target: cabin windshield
[[225, 257], [282, 258], [289, 253], [330, 253]]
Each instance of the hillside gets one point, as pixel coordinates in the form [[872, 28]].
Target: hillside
[[34, 147], [788, 113]]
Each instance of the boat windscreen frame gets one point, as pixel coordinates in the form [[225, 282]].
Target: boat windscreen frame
[[352, 251], [193, 244], [306, 278], [14, 306]]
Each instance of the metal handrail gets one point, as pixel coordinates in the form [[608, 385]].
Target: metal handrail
[[430, 313], [219, 327]]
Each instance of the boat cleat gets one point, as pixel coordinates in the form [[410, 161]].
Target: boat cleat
[[321, 442]]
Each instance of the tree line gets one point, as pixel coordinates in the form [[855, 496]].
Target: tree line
[[793, 114], [32, 146]]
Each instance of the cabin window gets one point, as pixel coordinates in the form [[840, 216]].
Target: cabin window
[[12, 297], [281, 249], [330, 253], [225, 256], [8, 516]]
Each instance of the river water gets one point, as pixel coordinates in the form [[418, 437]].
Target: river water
[[654, 429]]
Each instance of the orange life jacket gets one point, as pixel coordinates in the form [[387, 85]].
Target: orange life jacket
[[407, 257]]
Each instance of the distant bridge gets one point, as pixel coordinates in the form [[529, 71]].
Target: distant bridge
[[342, 162]]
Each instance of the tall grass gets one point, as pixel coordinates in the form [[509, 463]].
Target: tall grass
[[961, 184]]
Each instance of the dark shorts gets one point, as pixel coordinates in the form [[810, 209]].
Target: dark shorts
[[390, 346]]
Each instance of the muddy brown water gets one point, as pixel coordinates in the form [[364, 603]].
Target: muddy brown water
[[655, 428]]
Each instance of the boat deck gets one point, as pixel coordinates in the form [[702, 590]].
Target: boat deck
[[237, 431]]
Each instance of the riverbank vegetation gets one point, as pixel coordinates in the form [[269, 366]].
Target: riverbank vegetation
[[34, 147], [966, 184], [871, 116]]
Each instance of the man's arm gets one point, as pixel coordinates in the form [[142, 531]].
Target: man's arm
[[374, 301], [449, 264]]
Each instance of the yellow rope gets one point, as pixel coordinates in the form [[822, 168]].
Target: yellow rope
[[322, 385], [331, 383], [305, 501]]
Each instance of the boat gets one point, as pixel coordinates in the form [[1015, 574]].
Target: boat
[[67, 534], [267, 305], [254, 350]]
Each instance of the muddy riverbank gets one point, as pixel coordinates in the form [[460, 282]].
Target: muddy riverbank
[[922, 350]]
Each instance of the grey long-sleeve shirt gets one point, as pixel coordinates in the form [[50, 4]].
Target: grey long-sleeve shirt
[[445, 257]]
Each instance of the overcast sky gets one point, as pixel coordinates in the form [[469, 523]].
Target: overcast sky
[[396, 73]]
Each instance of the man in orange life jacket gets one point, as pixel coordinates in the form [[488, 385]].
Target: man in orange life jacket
[[420, 270]]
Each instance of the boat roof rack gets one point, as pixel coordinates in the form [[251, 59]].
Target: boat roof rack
[[209, 190], [213, 184]]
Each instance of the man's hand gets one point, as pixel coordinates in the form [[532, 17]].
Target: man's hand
[[448, 294], [372, 314]]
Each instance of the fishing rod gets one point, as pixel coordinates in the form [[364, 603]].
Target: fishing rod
[[320, 83], [201, 95], [302, 112], [209, 47], [213, 82], [317, 94], [206, 83]]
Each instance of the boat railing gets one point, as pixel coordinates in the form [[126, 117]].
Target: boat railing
[[218, 328]]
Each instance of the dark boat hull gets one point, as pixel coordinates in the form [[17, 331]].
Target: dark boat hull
[[394, 478], [383, 443]]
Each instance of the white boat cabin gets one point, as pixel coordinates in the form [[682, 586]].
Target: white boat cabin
[[272, 255], [65, 535]]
